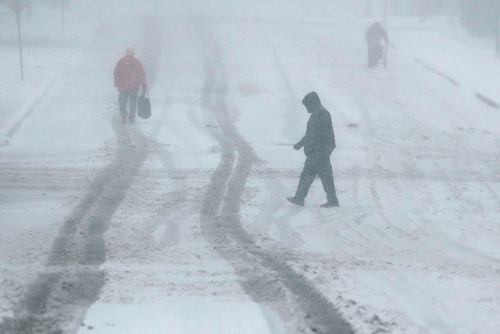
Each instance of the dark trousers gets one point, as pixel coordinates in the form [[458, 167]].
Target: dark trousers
[[123, 97], [375, 53], [317, 165]]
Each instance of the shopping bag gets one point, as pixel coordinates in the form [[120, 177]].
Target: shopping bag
[[144, 105]]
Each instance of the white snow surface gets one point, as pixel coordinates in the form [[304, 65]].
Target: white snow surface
[[414, 246]]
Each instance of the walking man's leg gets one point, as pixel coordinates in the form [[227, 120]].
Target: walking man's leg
[[122, 101], [372, 54], [306, 179], [133, 106], [326, 176]]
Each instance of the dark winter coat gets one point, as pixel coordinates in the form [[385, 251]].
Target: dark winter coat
[[129, 74], [375, 34], [319, 138]]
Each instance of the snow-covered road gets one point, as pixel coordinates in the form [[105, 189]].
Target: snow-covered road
[[178, 223]]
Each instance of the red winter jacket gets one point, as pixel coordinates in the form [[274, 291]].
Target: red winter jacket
[[129, 74]]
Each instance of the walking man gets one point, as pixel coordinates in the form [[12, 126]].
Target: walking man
[[129, 74], [318, 144]]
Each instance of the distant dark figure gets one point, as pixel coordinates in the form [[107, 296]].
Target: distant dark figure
[[374, 36], [129, 74], [318, 143]]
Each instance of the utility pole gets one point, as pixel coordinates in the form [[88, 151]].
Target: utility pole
[[497, 30], [18, 12], [385, 13], [62, 16]]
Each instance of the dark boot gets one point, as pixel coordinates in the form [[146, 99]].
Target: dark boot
[[331, 203], [295, 201]]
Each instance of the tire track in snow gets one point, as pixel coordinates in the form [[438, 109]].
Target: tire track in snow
[[277, 288], [58, 298], [71, 280]]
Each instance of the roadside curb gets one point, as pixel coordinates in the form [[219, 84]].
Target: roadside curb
[[486, 100], [432, 69]]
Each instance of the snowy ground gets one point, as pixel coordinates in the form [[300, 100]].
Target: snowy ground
[[130, 214]]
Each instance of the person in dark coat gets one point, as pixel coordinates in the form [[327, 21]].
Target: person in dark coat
[[373, 37], [318, 144], [128, 76]]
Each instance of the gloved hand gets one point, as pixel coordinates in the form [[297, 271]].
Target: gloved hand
[[297, 146]]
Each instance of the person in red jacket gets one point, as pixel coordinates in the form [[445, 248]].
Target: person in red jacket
[[129, 75]]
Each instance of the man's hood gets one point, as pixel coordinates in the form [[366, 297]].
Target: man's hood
[[311, 101]]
